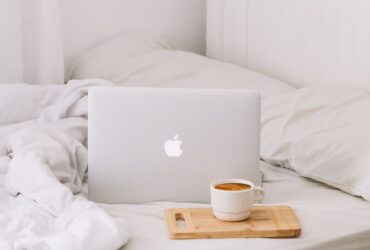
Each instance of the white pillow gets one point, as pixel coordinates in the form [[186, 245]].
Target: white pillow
[[104, 60], [146, 61], [322, 133]]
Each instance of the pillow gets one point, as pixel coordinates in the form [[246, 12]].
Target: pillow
[[146, 61], [103, 60], [322, 133]]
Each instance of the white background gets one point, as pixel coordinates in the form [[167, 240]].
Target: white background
[[302, 42], [86, 22]]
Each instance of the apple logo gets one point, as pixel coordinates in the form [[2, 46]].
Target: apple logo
[[173, 147]]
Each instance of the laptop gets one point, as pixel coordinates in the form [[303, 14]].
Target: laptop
[[157, 144]]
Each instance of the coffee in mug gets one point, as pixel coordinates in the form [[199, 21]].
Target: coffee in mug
[[232, 199], [232, 186]]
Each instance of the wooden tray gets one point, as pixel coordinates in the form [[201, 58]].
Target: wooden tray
[[199, 223]]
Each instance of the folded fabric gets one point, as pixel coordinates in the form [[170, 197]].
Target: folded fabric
[[43, 158], [322, 133]]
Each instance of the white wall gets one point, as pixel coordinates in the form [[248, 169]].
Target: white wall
[[303, 42], [87, 22]]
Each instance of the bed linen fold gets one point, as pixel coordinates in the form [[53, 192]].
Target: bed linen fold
[[43, 159]]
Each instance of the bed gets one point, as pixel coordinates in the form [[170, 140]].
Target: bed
[[333, 215], [331, 219]]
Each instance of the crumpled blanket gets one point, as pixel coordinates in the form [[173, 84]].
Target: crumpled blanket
[[43, 159]]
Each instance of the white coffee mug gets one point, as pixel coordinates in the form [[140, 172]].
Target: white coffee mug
[[234, 205]]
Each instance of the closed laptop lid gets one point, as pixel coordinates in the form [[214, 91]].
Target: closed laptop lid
[[153, 144]]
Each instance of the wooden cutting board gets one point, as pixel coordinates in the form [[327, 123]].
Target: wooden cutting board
[[199, 223]]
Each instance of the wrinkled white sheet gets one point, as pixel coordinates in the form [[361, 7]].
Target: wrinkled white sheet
[[330, 219], [43, 159]]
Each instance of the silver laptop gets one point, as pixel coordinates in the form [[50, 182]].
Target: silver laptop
[[153, 144]]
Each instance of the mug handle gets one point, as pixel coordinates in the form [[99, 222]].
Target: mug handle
[[258, 194]]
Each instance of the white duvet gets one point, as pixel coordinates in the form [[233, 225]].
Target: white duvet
[[43, 159]]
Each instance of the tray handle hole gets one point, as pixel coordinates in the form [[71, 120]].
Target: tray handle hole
[[180, 221]]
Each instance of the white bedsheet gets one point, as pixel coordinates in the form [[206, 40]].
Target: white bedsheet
[[330, 219], [43, 158]]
